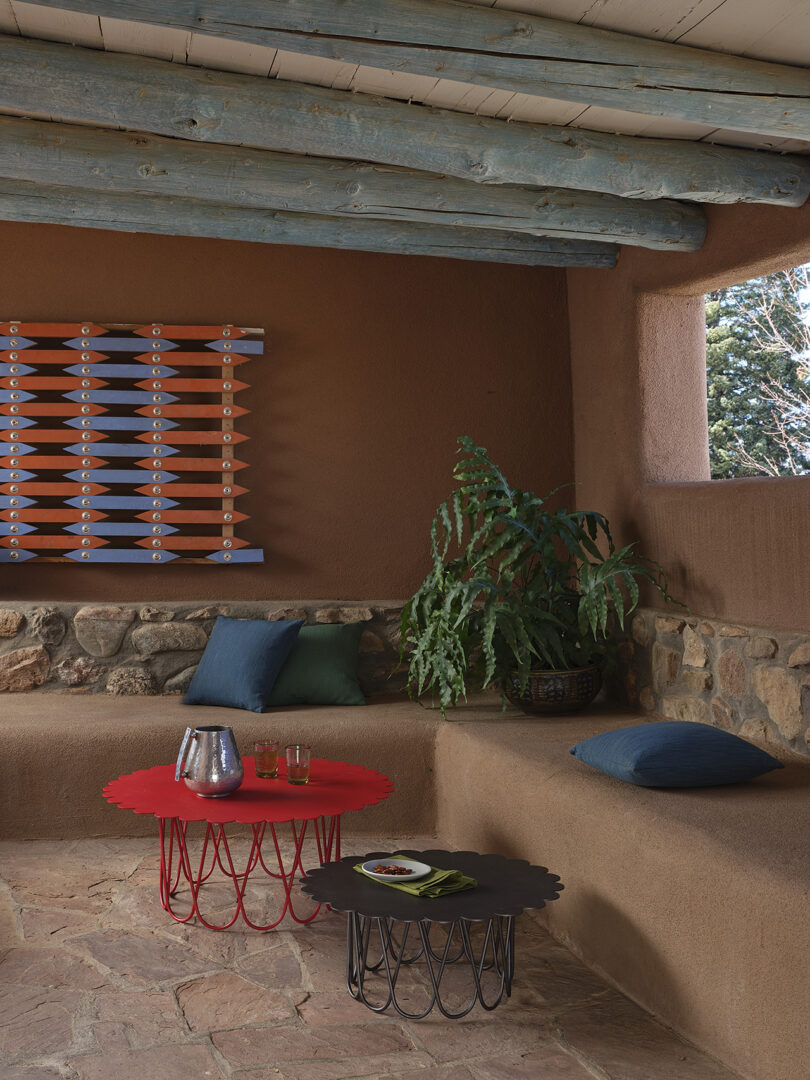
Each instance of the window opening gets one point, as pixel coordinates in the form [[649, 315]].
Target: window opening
[[758, 376]]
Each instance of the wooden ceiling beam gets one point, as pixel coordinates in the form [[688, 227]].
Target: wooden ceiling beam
[[504, 49], [86, 86], [114, 161], [159, 214]]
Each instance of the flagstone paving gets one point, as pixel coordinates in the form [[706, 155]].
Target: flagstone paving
[[98, 983]]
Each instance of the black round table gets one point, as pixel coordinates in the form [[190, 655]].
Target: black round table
[[506, 887]]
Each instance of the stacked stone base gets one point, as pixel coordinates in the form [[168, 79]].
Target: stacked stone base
[[752, 681], [155, 648]]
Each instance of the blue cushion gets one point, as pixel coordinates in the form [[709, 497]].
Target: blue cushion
[[674, 754], [241, 662]]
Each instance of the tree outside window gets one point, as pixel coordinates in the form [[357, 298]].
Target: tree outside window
[[758, 375]]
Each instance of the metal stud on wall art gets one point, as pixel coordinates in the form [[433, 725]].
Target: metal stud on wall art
[[119, 442]]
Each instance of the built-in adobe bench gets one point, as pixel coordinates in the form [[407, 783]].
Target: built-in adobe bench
[[693, 902], [59, 750]]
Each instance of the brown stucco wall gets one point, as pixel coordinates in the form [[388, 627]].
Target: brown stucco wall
[[734, 549], [374, 365]]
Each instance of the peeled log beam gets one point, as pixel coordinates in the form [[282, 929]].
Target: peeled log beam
[[526, 53], [22, 201], [64, 82], [113, 161]]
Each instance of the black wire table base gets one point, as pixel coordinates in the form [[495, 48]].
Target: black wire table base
[[373, 945]]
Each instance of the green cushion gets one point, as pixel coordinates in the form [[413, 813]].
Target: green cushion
[[321, 668]]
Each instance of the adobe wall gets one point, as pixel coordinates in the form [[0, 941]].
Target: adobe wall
[[735, 550], [374, 365]]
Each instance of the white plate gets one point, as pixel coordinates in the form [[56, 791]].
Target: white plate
[[418, 869]]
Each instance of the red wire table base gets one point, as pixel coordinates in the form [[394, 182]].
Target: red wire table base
[[266, 807], [176, 865]]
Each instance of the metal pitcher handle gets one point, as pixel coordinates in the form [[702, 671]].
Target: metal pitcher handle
[[189, 735]]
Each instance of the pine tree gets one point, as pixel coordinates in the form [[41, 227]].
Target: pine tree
[[758, 363]]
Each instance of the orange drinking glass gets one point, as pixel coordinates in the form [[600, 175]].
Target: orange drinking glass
[[265, 754]]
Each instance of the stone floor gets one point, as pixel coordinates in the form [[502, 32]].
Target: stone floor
[[98, 983]]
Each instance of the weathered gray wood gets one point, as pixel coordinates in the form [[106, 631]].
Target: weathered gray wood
[[24, 201], [505, 49], [68, 83], [83, 157]]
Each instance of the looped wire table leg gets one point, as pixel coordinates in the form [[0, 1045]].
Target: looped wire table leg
[[168, 882], [176, 863], [498, 945]]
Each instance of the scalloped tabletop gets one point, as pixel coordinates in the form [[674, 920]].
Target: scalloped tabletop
[[335, 787], [506, 887]]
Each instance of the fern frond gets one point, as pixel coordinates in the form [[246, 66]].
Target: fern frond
[[513, 582]]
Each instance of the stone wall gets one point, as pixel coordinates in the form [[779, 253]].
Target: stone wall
[[154, 648], [749, 680]]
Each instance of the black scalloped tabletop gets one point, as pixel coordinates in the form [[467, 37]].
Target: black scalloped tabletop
[[505, 887]]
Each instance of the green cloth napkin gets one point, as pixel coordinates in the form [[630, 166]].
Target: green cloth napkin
[[437, 882]]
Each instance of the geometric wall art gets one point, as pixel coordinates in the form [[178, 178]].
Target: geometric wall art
[[119, 442]]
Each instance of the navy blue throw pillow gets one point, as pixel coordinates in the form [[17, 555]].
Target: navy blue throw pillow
[[241, 662], [675, 754]]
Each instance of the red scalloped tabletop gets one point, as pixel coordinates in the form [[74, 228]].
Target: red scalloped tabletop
[[335, 787]]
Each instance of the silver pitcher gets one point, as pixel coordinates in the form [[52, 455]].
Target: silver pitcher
[[209, 761]]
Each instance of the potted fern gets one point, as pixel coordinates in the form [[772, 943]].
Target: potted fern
[[519, 595]]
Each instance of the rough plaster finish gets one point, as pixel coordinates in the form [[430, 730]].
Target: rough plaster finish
[[735, 549], [672, 436], [690, 901], [99, 739], [374, 365]]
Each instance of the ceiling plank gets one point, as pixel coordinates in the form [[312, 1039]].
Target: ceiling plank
[[84, 86], [40, 203], [778, 31], [8, 20], [668, 20], [77, 26], [523, 53], [165, 44], [595, 119], [207, 51], [83, 157], [296, 67]]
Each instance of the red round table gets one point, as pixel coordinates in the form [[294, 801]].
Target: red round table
[[335, 787]]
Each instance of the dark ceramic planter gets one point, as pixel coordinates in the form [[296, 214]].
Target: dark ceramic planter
[[550, 692]]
